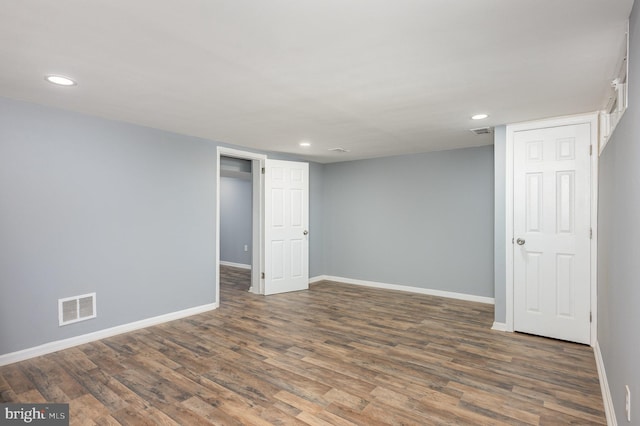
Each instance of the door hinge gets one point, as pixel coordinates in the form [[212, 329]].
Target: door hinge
[[263, 170], [513, 240], [590, 316], [590, 149], [591, 233], [262, 275]]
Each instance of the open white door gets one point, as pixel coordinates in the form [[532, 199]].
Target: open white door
[[286, 242], [551, 224]]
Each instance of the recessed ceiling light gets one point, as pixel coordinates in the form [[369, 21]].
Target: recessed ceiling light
[[305, 144], [479, 116], [60, 80]]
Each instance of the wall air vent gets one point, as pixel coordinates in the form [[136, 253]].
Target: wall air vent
[[338, 149], [77, 308], [482, 131]]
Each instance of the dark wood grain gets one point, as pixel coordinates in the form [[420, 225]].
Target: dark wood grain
[[333, 355]]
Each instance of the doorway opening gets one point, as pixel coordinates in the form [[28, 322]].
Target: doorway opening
[[240, 173]]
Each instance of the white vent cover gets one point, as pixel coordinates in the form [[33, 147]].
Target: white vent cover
[[338, 149], [77, 308], [482, 131]]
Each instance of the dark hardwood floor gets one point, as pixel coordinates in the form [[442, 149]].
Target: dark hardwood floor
[[333, 355]]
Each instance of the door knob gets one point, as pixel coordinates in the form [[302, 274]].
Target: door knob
[[520, 241], [305, 232]]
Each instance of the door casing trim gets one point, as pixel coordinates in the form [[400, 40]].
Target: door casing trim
[[592, 120]]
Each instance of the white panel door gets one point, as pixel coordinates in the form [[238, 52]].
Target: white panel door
[[286, 226], [552, 205]]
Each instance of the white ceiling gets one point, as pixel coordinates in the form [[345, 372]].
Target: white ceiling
[[377, 77]]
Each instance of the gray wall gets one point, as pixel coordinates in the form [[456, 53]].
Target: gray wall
[[235, 219], [422, 220], [618, 236], [500, 207], [316, 219], [93, 205], [88, 205]]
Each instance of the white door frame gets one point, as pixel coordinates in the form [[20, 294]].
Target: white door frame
[[592, 120], [257, 258]]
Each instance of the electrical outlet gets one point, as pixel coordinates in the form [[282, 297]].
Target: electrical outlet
[[627, 403], [246, 247]]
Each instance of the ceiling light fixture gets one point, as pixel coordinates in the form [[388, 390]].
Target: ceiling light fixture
[[479, 116], [305, 144], [60, 80]]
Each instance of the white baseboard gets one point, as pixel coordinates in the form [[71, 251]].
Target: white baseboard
[[58, 345], [235, 265], [430, 292], [317, 279], [609, 409], [499, 326]]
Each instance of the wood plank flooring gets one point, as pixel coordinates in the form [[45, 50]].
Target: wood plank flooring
[[333, 355]]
